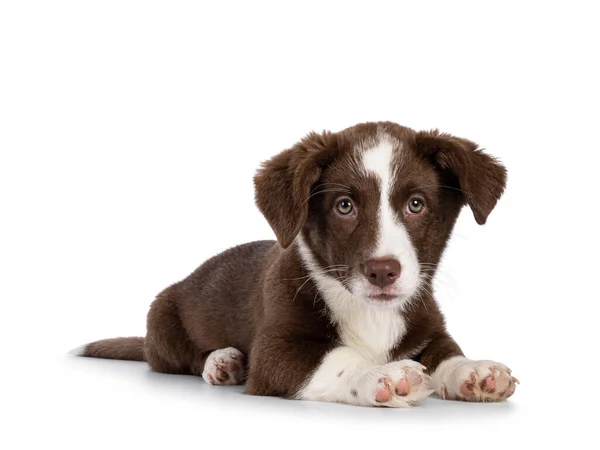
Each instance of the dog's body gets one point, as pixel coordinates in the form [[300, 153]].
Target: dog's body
[[340, 308]]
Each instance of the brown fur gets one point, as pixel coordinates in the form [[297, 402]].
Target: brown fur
[[271, 310]]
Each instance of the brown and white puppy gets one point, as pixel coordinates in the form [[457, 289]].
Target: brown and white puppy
[[340, 308]]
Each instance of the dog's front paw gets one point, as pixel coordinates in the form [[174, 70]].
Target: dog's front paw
[[397, 384], [460, 378], [224, 366]]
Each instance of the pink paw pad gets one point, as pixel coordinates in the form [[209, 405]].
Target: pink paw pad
[[488, 384], [402, 387], [468, 387], [495, 387], [224, 367], [401, 384], [384, 394]]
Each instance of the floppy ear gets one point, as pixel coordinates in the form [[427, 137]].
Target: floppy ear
[[282, 185], [480, 177]]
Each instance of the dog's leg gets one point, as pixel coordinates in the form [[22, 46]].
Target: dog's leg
[[224, 367], [314, 371], [168, 348], [456, 377], [345, 376], [279, 365]]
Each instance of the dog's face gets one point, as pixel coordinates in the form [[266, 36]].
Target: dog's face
[[373, 206]]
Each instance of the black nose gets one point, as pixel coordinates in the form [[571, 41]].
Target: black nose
[[382, 272]]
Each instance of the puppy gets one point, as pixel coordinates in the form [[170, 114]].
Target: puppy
[[340, 308]]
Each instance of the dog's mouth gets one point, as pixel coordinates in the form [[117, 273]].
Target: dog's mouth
[[388, 296], [383, 297]]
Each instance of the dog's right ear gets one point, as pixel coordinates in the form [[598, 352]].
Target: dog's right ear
[[282, 184]]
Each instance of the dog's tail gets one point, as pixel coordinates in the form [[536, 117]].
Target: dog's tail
[[129, 348]]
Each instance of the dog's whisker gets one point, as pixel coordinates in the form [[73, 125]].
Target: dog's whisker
[[436, 186], [344, 191], [299, 278], [326, 270], [299, 289], [419, 293], [447, 288], [433, 274], [333, 189], [431, 270], [440, 281], [332, 270], [341, 186], [315, 299], [309, 278]]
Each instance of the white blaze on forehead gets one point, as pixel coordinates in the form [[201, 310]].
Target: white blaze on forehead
[[392, 238]]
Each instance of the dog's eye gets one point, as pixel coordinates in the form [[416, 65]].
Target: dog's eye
[[415, 206], [344, 207]]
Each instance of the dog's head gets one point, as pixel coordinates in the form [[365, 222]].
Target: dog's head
[[374, 205]]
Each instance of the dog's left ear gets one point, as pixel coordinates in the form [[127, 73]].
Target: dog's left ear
[[480, 177], [282, 184]]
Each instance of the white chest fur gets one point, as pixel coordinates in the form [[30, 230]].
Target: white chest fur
[[371, 331]]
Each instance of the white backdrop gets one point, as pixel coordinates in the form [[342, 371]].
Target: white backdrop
[[130, 131]]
